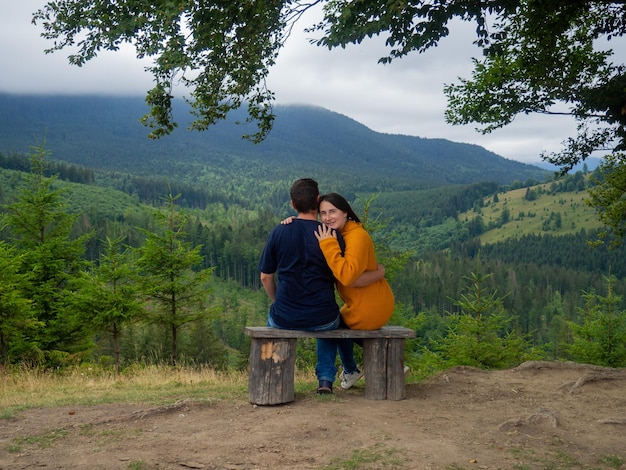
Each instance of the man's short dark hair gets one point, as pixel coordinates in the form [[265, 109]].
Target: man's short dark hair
[[304, 194]]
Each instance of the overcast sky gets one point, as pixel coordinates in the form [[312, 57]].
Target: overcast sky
[[405, 97]]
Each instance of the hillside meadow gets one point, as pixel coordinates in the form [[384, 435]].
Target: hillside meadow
[[553, 213]]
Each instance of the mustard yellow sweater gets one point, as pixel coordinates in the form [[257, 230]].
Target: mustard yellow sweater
[[365, 308]]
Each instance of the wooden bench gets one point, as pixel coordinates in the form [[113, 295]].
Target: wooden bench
[[273, 358]]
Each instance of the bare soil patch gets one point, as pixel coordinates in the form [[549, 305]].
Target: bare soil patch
[[536, 416]]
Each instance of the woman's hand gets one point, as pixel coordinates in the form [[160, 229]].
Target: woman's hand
[[324, 231], [288, 220], [370, 277]]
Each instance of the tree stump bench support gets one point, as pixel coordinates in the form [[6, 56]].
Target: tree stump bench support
[[273, 359]]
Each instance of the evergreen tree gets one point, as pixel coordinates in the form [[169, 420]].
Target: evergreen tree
[[50, 258], [167, 262], [601, 338], [530, 195], [481, 335], [110, 293], [505, 217], [204, 345], [17, 321]]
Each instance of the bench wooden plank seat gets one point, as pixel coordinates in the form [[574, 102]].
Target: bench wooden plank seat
[[273, 358]]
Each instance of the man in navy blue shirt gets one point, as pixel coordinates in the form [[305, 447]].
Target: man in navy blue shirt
[[297, 279]]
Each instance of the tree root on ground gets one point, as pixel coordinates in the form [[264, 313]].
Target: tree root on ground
[[181, 405], [592, 373], [612, 421], [568, 365], [596, 376], [543, 418]]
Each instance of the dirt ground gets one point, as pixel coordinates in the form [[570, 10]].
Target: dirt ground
[[536, 416]]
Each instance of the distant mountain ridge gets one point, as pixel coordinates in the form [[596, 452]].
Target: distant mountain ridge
[[104, 132]]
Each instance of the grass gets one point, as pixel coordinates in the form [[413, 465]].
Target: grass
[[27, 388], [538, 214], [557, 460], [41, 440], [23, 388], [613, 461], [137, 466], [370, 458], [102, 439]]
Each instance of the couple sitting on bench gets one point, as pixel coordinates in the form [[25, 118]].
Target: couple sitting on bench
[[302, 261]]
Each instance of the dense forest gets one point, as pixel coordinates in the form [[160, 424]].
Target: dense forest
[[84, 250]]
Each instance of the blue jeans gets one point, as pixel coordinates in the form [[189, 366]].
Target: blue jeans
[[327, 349], [327, 353]]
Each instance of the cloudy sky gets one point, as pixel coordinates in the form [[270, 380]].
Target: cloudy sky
[[405, 97]]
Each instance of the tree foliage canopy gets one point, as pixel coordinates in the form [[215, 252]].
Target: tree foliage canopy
[[550, 57], [220, 50]]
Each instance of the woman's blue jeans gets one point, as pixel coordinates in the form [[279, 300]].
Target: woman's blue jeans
[[327, 353], [327, 349]]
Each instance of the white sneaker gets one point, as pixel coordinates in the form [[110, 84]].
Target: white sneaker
[[348, 380]]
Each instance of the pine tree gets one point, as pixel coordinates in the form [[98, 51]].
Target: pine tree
[[481, 335], [110, 293], [601, 338], [167, 262], [17, 321], [41, 228]]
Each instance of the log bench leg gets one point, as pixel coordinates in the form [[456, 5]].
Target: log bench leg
[[272, 368], [384, 368]]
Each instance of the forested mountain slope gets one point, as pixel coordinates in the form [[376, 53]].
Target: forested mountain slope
[[440, 211], [104, 132]]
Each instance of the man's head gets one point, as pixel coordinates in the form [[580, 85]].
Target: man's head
[[304, 194]]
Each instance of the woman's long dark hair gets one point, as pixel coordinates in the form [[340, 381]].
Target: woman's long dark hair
[[340, 203]]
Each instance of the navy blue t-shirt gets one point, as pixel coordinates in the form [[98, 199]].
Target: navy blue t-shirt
[[305, 287]]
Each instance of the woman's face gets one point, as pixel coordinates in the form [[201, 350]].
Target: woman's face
[[333, 217]]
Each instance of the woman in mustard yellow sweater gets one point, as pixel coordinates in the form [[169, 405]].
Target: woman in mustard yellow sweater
[[368, 307]]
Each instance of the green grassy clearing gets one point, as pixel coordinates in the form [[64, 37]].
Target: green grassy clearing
[[536, 216]]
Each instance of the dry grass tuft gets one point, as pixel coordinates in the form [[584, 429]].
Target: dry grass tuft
[[22, 388], [27, 388]]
